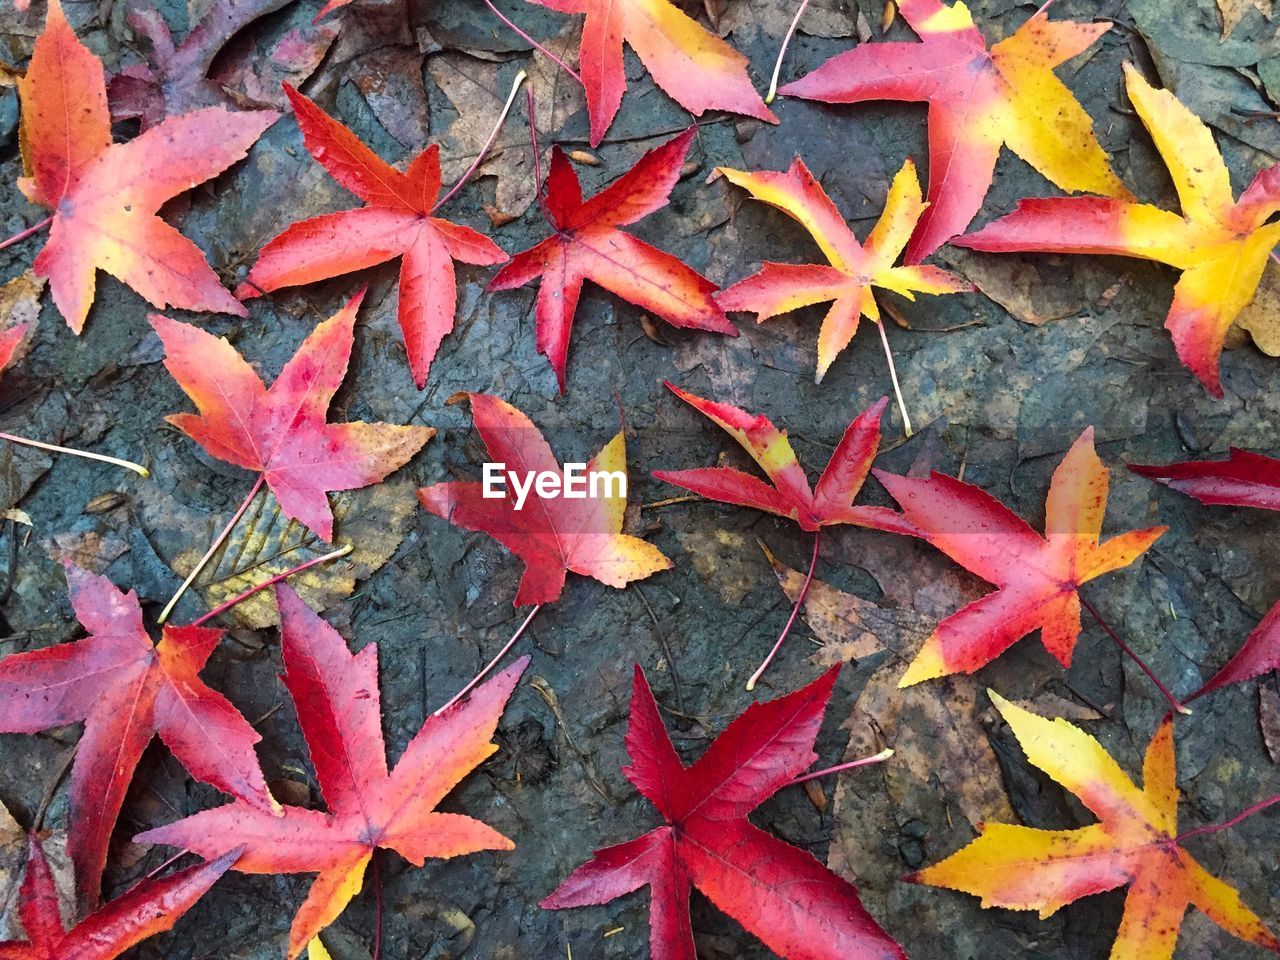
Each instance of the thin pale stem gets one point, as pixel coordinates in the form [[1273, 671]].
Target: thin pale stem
[[1115, 637], [782, 53], [241, 597], [33, 229], [537, 162], [880, 757], [1242, 815], [534, 43], [795, 612], [893, 375], [167, 864], [492, 663], [100, 457], [488, 144], [213, 548]]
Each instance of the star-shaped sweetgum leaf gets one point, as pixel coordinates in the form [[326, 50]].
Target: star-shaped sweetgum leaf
[[281, 432], [588, 245], [1135, 842], [854, 269], [127, 689], [144, 910], [397, 221], [1221, 245], [979, 100], [692, 65], [1038, 576], [552, 535], [779, 893], [369, 807], [105, 196], [790, 495]]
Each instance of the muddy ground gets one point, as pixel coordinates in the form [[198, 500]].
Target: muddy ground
[[998, 391]]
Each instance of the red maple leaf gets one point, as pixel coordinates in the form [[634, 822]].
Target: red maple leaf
[[147, 908], [589, 246], [340, 711], [695, 67], [1038, 576], [552, 535], [779, 893], [127, 689], [397, 221], [979, 100], [790, 495], [1259, 654], [105, 195], [1244, 479], [282, 432], [9, 341]]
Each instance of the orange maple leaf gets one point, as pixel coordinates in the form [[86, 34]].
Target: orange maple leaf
[[397, 222], [696, 68], [105, 195]]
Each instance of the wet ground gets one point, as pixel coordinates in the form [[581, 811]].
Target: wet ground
[[998, 391]]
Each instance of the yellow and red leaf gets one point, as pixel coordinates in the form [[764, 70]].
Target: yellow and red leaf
[[1220, 245], [1038, 576], [551, 535], [1135, 842], [855, 269], [979, 100], [695, 67]]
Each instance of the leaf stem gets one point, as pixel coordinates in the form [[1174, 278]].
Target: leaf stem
[[484, 151], [1173, 701], [271, 582], [1242, 815], [101, 457], [536, 45], [893, 375], [377, 908], [537, 162], [795, 611], [492, 663], [34, 228], [786, 42], [213, 548], [851, 765]]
